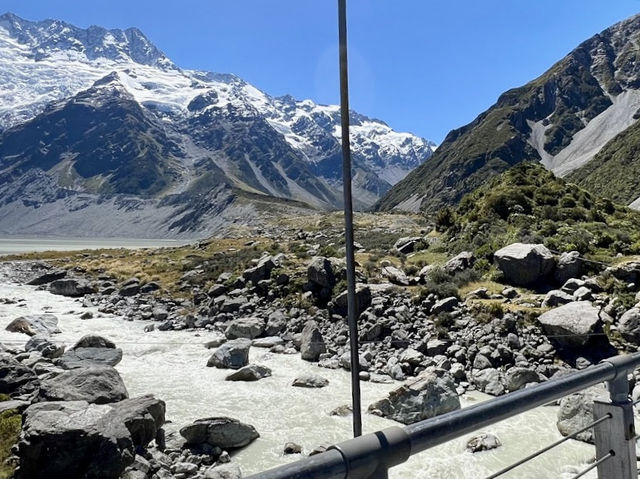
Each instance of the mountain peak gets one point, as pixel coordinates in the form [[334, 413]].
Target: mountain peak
[[55, 38]]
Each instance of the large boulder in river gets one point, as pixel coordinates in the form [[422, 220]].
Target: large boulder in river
[[576, 412], [430, 394], [44, 324], [245, 328], [311, 343], [572, 324], [98, 385], [524, 264], [70, 287], [46, 348], [629, 325], [253, 372], [231, 355], [74, 439], [222, 432], [91, 350]]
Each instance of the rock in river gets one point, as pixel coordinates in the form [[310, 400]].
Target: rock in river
[[223, 432], [232, 354], [43, 324], [98, 385]]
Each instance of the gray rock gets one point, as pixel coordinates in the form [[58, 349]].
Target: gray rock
[[363, 300], [576, 412], [460, 262], [395, 275], [555, 298], [224, 471], [43, 324], [320, 272], [276, 323], [232, 355], [429, 395], [16, 379], [570, 325], [524, 264], [245, 328], [342, 411], [292, 448], [78, 439], [253, 372], [517, 377], [629, 325], [70, 287], [311, 342], [407, 245], [47, 277], [222, 432], [94, 341], [89, 357], [445, 305], [310, 381], [261, 271], [129, 290], [94, 385], [45, 347], [489, 381], [483, 442], [573, 284], [569, 265]]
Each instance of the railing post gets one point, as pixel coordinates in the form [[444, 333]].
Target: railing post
[[617, 435]]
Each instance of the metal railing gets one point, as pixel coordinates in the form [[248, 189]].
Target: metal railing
[[370, 456]]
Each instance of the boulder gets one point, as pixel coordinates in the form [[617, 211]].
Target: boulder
[[489, 381], [70, 287], [98, 385], [572, 324], [311, 342], [576, 411], [261, 271], [222, 432], [129, 290], [268, 342], [245, 328], [276, 323], [407, 245], [460, 262], [310, 381], [78, 439], [16, 379], [629, 325], [395, 275], [483, 442], [224, 471], [45, 347], [320, 272], [91, 350], [518, 377], [231, 355], [429, 395], [445, 305], [43, 324], [292, 448], [555, 298], [47, 277], [253, 372], [569, 265], [363, 301], [524, 264]]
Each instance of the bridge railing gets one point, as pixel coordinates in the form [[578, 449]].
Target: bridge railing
[[372, 455]]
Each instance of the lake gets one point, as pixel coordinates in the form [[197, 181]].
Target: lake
[[17, 245]]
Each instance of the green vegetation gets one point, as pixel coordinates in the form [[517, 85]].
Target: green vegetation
[[614, 173], [529, 204], [10, 425]]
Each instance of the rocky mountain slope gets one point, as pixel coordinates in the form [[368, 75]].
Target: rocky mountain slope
[[562, 119], [94, 119]]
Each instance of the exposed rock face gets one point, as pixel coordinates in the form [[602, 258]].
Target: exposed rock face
[[431, 394], [232, 354], [253, 372], [571, 324], [44, 324], [70, 287], [310, 381], [629, 325], [524, 264], [98, 385], [78, 439], [311, 343], [245, 328], [222, 432]]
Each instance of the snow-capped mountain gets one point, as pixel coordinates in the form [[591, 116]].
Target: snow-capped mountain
[[184, 127]]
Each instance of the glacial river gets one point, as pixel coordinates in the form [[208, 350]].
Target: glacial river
[[172, 365]]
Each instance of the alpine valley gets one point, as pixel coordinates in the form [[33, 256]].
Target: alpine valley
[[102, 135]]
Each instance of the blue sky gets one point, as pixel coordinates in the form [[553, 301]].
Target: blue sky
[[425, 66]]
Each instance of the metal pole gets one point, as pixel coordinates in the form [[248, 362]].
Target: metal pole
[[348, 221]]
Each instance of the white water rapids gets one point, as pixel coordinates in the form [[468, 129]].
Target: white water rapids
[[172, 366]]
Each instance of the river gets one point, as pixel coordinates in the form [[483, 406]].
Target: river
[[172, 365]]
